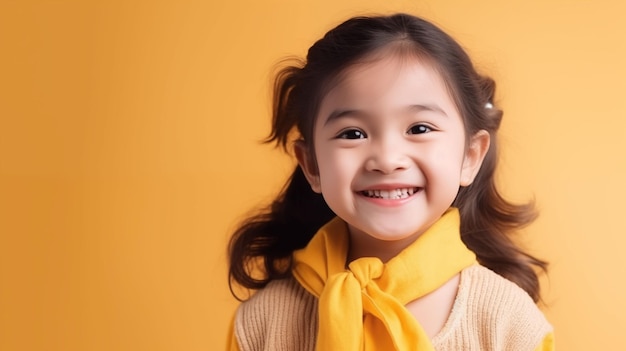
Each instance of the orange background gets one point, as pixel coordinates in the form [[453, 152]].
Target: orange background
[[128, 152]]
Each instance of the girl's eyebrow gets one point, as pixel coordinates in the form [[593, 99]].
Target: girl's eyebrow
[[427, 107], [337, 114]]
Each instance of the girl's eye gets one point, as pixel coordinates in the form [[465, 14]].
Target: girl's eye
[[419, 129], [352, 134]]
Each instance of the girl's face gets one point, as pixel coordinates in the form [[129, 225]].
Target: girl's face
[[390, 152]]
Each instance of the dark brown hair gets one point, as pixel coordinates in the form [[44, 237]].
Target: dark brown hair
[[267, 240]]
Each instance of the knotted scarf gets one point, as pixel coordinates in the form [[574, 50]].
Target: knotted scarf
[[363, 307]]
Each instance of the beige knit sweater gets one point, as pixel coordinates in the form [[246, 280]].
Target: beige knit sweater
[[489, 313]]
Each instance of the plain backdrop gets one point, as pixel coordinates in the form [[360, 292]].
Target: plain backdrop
[[129, 150]]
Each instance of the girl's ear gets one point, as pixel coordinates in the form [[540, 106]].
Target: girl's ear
[[474, 156], [307, 163]]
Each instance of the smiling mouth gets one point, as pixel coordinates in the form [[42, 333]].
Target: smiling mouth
[[393, 194]]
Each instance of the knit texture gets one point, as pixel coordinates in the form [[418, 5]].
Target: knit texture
[[489, 313], [283, 316]]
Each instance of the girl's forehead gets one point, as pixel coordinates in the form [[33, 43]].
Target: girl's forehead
[[375, 77], [399, 54], [387, 67]]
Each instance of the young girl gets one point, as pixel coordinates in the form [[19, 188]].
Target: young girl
[[390, 234]]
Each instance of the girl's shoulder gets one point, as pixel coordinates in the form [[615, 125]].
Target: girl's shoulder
[[493, 313], [495, 295], [283, 305]]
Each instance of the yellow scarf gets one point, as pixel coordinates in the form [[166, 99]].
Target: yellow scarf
[[363, 307]]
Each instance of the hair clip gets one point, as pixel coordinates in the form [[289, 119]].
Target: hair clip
[[489, 105]]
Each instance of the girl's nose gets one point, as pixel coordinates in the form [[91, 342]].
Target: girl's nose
[[387, 157]]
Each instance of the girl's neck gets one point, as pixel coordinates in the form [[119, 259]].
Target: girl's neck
[[363, 245]]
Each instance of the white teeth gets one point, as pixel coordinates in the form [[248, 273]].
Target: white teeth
[[401, 193]]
